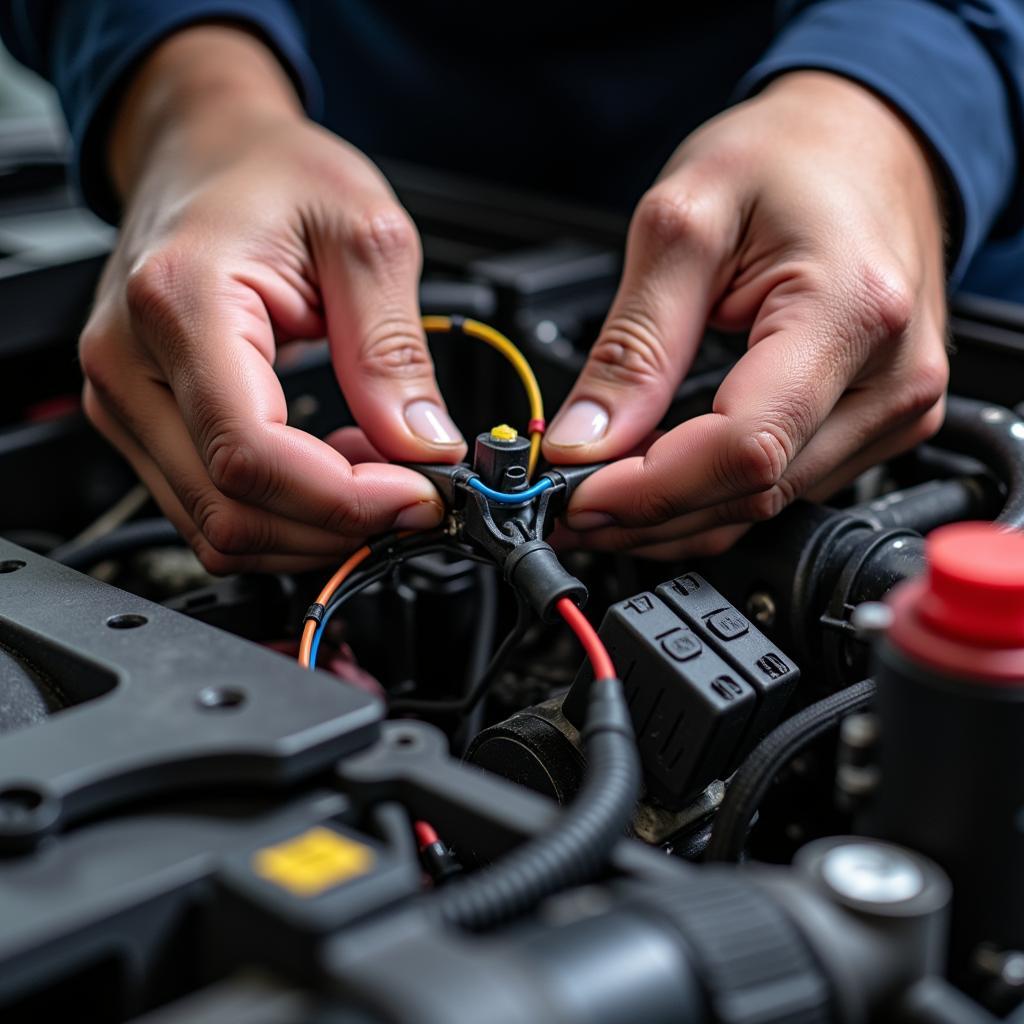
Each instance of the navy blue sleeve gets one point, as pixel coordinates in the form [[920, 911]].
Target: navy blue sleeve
[[954, 68], [88, 48]]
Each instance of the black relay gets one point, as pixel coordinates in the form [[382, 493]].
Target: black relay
[[703, 684]]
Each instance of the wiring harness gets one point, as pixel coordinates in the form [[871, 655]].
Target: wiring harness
[[497, 515]]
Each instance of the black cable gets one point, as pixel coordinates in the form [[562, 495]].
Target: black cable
[[463, 705], [483, 646], [376, 571], [754, 777], [575, 848], [125, 540]]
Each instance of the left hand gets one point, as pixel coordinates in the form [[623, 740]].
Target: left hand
[[809, 216]]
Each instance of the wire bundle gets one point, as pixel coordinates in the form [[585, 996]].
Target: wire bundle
[[336, 591]]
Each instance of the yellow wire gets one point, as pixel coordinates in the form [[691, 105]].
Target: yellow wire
[[498, 341]]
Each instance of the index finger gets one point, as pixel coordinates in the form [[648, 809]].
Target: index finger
[[213, 340]]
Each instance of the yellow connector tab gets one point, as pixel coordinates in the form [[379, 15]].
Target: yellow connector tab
[[503, 432]]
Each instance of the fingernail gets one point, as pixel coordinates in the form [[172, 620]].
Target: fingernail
[[421, 516], [429, 422], [589, 520], [582, 423]]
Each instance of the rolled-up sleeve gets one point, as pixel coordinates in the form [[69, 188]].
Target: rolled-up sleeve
[[954, 68], [88, 49]]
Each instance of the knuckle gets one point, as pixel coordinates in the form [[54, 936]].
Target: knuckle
[[755, 462], [931, 377], [223, 528], [674, 218], [213, 561], [629, 352], [384, 234], [885, 300], [236, 468], [927, 426], [348, 519], [153, 286], [395, 348], [920, 389], [99, 357], [768, 504]]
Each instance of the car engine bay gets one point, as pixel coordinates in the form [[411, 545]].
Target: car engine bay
[[796, 796]]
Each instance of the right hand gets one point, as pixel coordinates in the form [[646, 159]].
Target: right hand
[[245, 226]]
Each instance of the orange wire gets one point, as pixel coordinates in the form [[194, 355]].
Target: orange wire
[[347, 567]]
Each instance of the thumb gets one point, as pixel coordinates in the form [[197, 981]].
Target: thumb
[[369, 278], [673, 255]]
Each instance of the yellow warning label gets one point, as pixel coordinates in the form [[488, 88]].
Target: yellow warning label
[[503, 432], [310, 863]]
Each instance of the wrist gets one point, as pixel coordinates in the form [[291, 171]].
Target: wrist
[[195, 95], [837, 111]]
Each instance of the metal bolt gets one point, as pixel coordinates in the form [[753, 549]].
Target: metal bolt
[[859, 732], [546, 332], [871, 619], [761, 608]]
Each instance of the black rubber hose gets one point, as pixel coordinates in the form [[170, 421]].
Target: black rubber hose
[[125, 540], [931, 504], [754, 777], [576, 848], [995, 437]]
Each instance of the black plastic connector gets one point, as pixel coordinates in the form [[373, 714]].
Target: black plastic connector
[[703, 684], [533, 570], [439, 862]]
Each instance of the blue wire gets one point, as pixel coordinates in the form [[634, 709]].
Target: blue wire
[[512, 497], [314, 647]]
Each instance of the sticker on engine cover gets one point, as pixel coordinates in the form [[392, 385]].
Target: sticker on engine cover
[[313, 862]]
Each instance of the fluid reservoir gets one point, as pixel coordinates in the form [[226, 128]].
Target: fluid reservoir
[[950, 674]]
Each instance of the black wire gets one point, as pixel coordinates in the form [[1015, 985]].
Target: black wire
[[396, 554], [125, 540], [754, 777], [375, 572], [464, 705], [483, 646]]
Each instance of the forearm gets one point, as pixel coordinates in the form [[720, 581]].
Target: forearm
[[954, 75], [196, 90]]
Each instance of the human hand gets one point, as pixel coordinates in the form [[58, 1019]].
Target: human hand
[[809, 216], [247, 226]]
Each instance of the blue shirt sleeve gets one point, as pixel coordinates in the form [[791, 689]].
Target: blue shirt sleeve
[[954, 68], [88, 48]]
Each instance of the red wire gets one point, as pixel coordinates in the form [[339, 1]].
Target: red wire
[[600, 660], [425, 834]]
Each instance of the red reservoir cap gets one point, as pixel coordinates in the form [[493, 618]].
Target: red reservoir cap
[[975, 584], [965, 617]]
